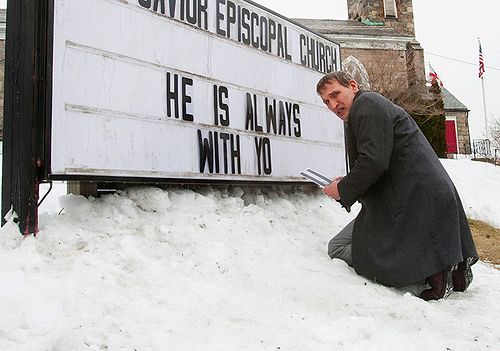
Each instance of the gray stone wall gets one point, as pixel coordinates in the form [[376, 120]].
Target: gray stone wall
[[373, 10], [391, 67], [387, 69], [463, 132], [404, 23], [365, 9], [415, 66]]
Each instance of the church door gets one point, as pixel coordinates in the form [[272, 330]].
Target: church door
[[451, 136]]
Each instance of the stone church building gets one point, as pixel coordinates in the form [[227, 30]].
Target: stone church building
[[378, 48]]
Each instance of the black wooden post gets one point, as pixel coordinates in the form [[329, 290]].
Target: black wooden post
[[26, 108]]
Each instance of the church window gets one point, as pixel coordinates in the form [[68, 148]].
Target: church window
[[390, 8]]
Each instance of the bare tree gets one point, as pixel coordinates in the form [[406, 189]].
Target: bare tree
[[393, 84], [424, 104], [495, 131]]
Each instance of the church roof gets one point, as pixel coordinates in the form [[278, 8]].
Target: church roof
[[348, 27], [451, 103]]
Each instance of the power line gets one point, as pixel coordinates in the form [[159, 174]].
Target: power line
[[457, 60]]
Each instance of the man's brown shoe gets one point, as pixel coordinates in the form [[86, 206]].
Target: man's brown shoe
[[462, 276], [441, 285]]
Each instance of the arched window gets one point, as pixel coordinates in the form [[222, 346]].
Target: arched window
[[390, 9], [358, 71]]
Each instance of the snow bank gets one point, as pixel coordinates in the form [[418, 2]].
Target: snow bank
[[230, 269], [478, 184]]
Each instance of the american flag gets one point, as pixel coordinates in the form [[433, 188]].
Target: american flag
[[481, 62], [434, 77]]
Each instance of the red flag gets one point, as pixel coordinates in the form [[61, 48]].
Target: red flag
[[433, 76], [481, 61]]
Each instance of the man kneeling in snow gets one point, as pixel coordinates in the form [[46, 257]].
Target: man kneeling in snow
[[412, 226]]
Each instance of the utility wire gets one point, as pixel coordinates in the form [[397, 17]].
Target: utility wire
[[453, 59]]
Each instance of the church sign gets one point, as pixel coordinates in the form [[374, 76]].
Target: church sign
[[203, 89], [162, 91]]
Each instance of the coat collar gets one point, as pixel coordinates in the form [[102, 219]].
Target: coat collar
[[358, 94], [354, 99]]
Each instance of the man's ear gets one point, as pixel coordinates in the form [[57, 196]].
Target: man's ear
[[354, 85]]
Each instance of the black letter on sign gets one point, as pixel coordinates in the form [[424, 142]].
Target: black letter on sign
[[328, 53], [145, 3], [263, 149], [254, 22], [219, 94], [272, 34], [225, 137], [250, 113], [257, 127], [155, 7], [289, 117], [186, 99], [172, 94], [271, 116], [287, 55], [235, 154], [206, 154], [282, 120], [219, 17], [171, 6], [191, 12], [216, 152], [296, 119], [281, 48], [303, 46], [231, 17], [245, 16], [264, 33], [202, 14]]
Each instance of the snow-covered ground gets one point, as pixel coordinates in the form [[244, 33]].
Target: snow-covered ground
[[225, 269], [479, 186]]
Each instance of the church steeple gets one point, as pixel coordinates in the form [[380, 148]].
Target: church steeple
[[397, 14]]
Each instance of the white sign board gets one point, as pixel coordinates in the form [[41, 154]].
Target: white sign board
[[191, 89]]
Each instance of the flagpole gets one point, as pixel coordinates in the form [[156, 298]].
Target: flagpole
[[484, 109], [481, 73]]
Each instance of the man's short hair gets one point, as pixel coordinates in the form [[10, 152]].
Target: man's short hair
[[340, 76]]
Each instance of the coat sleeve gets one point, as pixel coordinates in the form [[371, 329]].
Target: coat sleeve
[[374, 134]]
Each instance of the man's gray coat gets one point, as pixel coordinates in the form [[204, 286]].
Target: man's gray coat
[[412, 224]]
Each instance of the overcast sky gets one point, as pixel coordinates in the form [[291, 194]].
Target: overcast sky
[[447, 28]]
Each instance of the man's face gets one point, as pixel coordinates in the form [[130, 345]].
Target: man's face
[[338, 98]]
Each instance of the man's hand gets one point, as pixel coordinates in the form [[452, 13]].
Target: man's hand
[[332, 189]]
